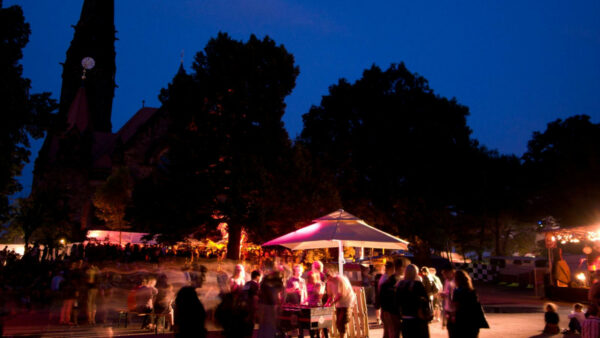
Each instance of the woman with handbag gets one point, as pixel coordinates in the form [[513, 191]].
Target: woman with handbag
[[468, 317], [414, 305]]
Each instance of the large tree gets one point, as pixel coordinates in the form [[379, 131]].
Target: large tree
[[41, 218], [227, 143], [562, 165], [395, 149], [24, 115]]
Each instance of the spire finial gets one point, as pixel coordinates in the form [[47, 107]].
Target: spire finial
[[182, 54]]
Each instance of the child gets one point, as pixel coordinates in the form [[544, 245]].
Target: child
[[551, 319], [576, 318]]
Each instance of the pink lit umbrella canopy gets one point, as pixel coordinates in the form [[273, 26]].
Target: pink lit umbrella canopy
[[336, 230]]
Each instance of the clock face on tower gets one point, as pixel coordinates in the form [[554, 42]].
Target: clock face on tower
[[88, 63]]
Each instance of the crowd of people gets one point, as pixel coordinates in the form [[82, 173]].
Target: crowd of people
[[410, 298], [79, 286], [259, 301]]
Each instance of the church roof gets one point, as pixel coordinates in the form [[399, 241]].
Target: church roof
[[104, 143], [129, 129]]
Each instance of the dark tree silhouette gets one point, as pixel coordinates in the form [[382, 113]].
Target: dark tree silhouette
[[227, 142], [562, 165], [395, 149], [23, 115]]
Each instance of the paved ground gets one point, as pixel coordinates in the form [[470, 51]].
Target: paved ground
[[511, 313]]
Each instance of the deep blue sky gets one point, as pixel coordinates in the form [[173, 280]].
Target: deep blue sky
[[516, 64]]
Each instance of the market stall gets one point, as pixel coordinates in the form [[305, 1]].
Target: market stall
[[572, 275], [338, 229]]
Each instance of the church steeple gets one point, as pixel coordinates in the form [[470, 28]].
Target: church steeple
[[94, 37]]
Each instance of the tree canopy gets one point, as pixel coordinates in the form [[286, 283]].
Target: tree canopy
[[226, 139], [394, 147], [562, 163], [24, 115]]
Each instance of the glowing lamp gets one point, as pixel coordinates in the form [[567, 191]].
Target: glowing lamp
[[94, 234], [581, 276], [62, 241], [587, 250]]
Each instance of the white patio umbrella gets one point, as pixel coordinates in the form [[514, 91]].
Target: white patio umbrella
[[337, 230]]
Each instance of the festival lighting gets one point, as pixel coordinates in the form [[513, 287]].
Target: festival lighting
[[581, 276]]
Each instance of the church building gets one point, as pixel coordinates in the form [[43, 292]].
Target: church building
[[81, 150]]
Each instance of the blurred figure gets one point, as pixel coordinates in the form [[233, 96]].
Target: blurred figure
[[269, 300], [189, 314], [295, 287], [594, 293], [591, 325], [315, 290], [317, 267], [551, 319], [343, 298], [69, 294], [163, 304], [447, 306], [92, 284], [437, 302], [411, 296], [144, 297], [379, 271], [576, 319], [251, 290], [238, 280], [468, 316], [387, 296]]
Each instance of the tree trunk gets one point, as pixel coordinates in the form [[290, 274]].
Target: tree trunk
[[26, 237], [233, 246], [506, 239], [499, 251], [481, 241]]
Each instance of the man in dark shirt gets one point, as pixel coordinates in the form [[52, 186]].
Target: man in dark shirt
[[387, 295]]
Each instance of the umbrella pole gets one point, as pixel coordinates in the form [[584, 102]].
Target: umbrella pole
[[340, 258]]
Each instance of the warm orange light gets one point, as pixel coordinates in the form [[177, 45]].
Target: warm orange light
[[94, 233], [581, 276]]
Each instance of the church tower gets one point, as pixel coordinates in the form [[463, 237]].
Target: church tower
[[94, 37], [69, 163]]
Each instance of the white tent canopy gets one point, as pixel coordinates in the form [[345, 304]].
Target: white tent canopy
[[336, 230]]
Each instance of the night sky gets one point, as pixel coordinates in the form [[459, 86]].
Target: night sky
[[516, 64]]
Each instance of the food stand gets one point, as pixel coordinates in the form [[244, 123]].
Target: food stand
[[338, 229], [572, 281]]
